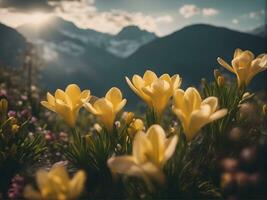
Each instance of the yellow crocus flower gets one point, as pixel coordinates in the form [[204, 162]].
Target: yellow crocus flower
[[245, 66], [150, 152], [67, 104], [56, 185], [193, 112], [155, 91], [107, 107], [136, 126], [128, 117]]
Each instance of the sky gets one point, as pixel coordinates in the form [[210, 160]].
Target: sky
[[159, 16]]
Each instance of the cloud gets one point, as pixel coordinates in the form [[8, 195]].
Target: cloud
[[85, 15], [22, 5], [189, 10], [164, 19], [235, 21], [209, 11], [254, 15]]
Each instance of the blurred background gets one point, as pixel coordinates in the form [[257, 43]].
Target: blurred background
[[96, 43]]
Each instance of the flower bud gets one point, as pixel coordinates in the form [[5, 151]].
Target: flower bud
[[226, 178], [216, 73], [220, 81], [3, 106], [117, 124], [229, 164], [12, 120], [203, 81], [135, 126], [264, 110], [235, 134], [97, 127], [14, 128], [128, 117]]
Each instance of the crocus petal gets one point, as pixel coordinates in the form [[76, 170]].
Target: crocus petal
[[259, 65], [198, 120], [138, 82], [170, 146], [42, 179], [149, 77], [148, 90], [48, 106], [141, 147], [243, 60], [179, 98], [91, 109], [76, 185], [241, 74], [50, 99], [225, 64], [114, 96], [165, 77], [137, 86], [85, 96], [30, 193], [125, 165], [161, 87], [120, 105], [60, 94], [107, 114], [237, 52], [176, 81], [218, 114], [181, 115], [156, 136], [103, 106], [153, 172], [61, 173], [65, 111], [73, 92], [212, 102], [263, 63], [137, 92], [190, 100]]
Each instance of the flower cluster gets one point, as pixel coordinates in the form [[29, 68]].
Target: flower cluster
[[155, 91], [245, 66], [139, 149], [56, 184]]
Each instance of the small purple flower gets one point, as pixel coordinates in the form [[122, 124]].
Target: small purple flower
[[33, 120], [3, 93], [25, 113], [16, 189], [11, 113], [23, 97]]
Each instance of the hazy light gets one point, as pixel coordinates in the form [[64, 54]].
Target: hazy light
[[38, 18], [15, 19]]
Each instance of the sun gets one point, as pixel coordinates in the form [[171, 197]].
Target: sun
[[38, 18]]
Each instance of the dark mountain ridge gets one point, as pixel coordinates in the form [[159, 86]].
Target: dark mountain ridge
[[192, 52], [13, 44]]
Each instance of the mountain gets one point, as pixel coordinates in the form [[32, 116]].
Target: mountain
[[260, 31], [84, 56], [13, 45], [192, 53], [126, 42], [68, 54]]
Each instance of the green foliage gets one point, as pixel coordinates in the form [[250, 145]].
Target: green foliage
[[18, 149]]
